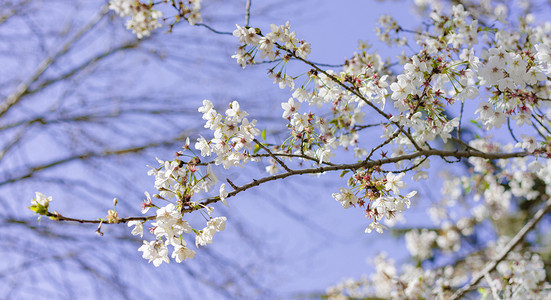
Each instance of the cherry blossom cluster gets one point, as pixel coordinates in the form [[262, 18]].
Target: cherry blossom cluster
[[375, 197], [389, 282], [176, 179], [509, 74], [269, 45], [169, 229], [521, 276], [144, 19], [232, 144], [178, 182], [313, 137], [169, 226], [190, 12]]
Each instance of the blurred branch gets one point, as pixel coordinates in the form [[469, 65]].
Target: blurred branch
[[84, 65], [23, 88], [106, 153], [531, 224], [13, 11]]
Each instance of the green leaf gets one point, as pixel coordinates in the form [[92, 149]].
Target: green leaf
[[39, 209], [344, 173], [256, 148], [483, 292], [33, 208], [476, 123], [264, 134]]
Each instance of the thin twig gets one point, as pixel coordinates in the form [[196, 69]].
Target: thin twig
[[539, 122], [214, 30], [460, 118], [281, 163], [511, 130], [387, 141], [360, 127], [467, 146], [417, 32], [407, 169], [58, 217], [247, 13], [303, 156], [232, 184], [538, 130], [280, 59]]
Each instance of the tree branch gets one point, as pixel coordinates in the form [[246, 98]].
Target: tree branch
[[365, 164], [318, 170]]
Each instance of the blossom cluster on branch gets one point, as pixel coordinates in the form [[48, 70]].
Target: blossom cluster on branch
[[416, 114]]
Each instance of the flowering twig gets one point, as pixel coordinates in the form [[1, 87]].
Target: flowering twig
[[316, 170], [58, 217], [366, 164], [354, 92]]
